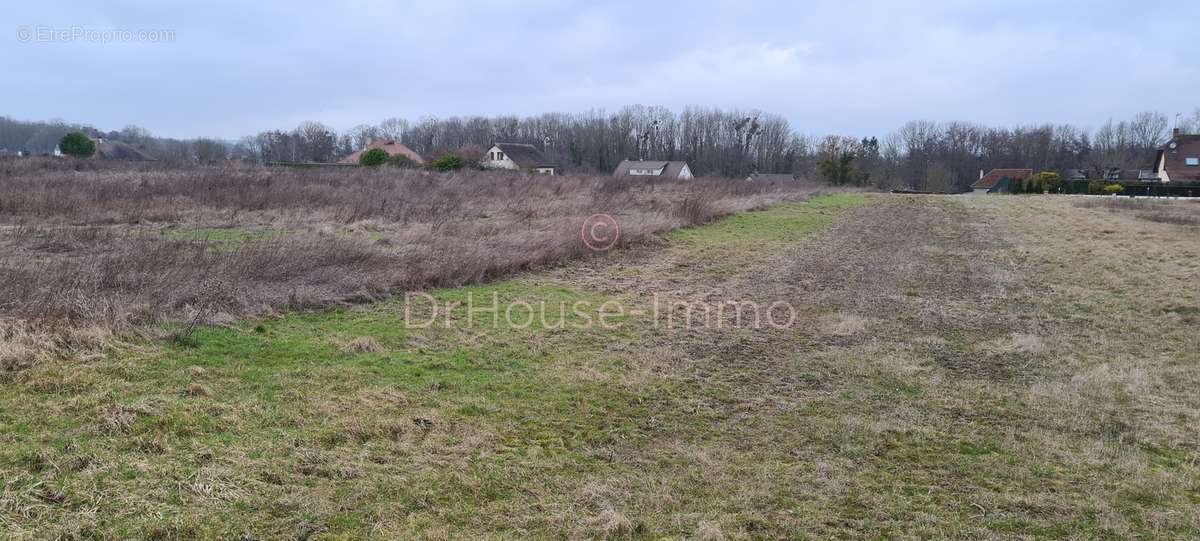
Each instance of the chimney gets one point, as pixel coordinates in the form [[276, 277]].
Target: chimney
[[1175, 133]]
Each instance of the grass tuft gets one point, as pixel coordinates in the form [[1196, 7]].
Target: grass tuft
[[364, 344]]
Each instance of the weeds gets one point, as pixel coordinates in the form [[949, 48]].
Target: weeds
[[1185, 213], [121, 248]]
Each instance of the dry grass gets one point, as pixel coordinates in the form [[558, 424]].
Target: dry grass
[[961, 368], [364, 344], [123, 248], [1184, 212]]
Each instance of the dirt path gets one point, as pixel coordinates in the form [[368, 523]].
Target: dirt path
[[937, 381]]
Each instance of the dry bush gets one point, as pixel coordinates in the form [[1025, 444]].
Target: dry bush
[[697, 207], [15, 356], [1185, 213], [1170, 218], [19, 346], [119, 247], [364, 344]]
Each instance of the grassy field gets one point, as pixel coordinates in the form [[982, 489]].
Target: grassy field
[[1001, 367], [94, 250]]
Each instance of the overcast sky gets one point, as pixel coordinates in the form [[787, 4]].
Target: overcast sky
[[238, 67]]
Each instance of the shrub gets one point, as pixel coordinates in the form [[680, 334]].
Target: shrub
[[695, 208], [400, 160], [77, 144], [1113, 189], [1048, 181], [373, 157], [468, 154], [87, 274], [1095, 187], [447, 163], [838, 170]]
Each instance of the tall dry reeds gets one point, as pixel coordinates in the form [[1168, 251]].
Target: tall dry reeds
[[124, 247]]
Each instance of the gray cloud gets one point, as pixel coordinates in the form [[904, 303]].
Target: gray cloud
[[859, 68]]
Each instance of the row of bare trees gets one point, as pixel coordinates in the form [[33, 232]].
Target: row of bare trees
[[35, 138], [714, 141], [921, 154], [731, 143]]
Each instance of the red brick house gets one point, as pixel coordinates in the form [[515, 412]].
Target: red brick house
[[391, 147], [999, 180], [1179, 159]]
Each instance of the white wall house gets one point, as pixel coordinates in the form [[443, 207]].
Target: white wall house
[[660, 169], [517, 157]]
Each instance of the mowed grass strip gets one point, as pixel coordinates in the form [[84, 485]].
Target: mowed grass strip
[[779, 224], [353, 422]]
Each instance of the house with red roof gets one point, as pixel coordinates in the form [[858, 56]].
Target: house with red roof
[[999, 180], [392, 147]]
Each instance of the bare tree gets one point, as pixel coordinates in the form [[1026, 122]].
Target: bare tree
[[1190, 124], [393, 129], [1149, 130], [209, 151]]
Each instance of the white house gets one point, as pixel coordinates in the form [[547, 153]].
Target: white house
[[518, 157], [660, 169]]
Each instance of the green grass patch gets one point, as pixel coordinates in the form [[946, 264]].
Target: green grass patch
[[526, 417], [779, 224]]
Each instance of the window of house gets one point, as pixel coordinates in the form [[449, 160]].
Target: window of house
[[1192, 161]]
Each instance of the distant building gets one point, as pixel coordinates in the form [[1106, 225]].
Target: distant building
[[660, 169], [518, 157], [1179, 159], [771, 177], [392, 147], [999, 180], [119, 150], [1075, 175], [1131, 175], [112, 150]]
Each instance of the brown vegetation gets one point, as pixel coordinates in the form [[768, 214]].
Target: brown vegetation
[[1167, 211], [991, 367], [121, 247]]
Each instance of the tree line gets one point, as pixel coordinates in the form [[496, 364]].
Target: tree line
[[731, 143]]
